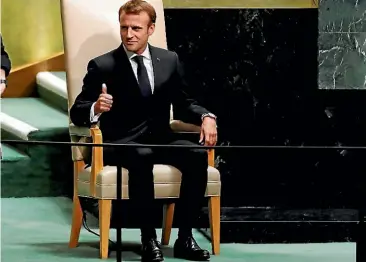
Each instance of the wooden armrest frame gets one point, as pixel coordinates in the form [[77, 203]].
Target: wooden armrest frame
[[211, 157], [181, 127], [97, 152], [97, 157]]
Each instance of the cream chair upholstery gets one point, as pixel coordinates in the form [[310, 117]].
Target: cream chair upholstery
[[91, 28]]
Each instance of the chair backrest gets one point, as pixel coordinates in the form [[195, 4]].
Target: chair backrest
[[91, 28]]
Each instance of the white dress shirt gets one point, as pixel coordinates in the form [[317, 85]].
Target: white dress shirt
[[150, 72]]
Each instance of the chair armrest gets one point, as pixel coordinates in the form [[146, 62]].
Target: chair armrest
[[191, 131], [185, 131], [180, 126], [85, 133], [97, 157], [79, 131]]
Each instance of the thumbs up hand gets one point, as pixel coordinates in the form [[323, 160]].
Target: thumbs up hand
[[104, 102]]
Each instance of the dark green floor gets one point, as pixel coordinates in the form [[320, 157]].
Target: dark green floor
[[37, 230]]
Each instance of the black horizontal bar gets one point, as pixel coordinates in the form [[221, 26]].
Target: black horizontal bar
[[14, 142]]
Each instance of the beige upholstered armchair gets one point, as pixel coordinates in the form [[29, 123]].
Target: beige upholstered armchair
[[91, 28]]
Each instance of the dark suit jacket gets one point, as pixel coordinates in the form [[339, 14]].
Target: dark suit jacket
[[132, 114], [5, 61]]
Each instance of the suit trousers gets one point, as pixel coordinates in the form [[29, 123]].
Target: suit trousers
[[139, 161]]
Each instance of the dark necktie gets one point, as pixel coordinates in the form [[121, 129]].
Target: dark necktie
[[143, 77]]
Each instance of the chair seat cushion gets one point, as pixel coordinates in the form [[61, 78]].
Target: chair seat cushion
[[167, 180]]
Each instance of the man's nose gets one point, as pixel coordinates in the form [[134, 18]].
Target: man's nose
[[129, 33]]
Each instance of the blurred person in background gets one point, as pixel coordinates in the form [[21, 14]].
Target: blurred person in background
[[5, 66], [5, 70]]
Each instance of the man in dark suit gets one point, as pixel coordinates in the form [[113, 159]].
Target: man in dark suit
[[130, 90], [5, 66]]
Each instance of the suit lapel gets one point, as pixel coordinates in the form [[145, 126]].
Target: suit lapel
[[124, 70], [157, 67]]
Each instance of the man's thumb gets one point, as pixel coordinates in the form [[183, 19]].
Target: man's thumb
[[104, 89]]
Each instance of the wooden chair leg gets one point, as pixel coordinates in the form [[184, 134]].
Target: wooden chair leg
[[77, 220], [167, 223], [104, 225], [214, 210]]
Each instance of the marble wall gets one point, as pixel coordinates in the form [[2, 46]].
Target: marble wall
[[257, 70], [342, 44]]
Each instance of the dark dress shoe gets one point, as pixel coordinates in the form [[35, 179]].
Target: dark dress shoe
[[187, 248], [151, 251]]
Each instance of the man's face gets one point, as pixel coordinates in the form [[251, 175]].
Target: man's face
[[135, 31]]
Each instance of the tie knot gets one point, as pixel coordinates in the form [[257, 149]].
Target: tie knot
[[139, 59]]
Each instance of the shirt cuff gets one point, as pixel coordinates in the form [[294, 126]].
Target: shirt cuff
[[94, 118], [208, 115]]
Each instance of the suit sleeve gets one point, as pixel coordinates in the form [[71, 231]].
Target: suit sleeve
[[183, 104], [92, 88], [5, 61]]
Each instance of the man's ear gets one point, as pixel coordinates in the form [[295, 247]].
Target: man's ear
[[151, 29]]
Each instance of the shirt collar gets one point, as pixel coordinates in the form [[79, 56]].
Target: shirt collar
[[145, 54]]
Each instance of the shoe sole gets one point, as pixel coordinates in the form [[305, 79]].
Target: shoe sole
[[155, 260], [186, 258]]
